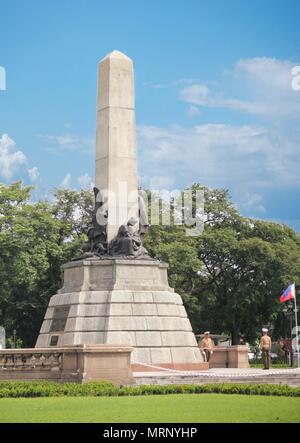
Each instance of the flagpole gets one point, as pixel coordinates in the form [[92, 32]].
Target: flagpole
[[296, 323]]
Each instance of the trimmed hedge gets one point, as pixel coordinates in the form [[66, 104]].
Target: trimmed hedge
[[52, 389], [107, 389]]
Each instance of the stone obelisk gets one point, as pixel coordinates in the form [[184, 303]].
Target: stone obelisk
[[110, 296], [116, 169]]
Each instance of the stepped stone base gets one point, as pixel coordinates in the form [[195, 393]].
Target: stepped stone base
[[122, 302]]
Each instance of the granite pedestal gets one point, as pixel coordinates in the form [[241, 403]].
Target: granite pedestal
[[122, 302]]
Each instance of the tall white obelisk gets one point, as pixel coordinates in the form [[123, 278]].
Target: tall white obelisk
[[116, 168], [116, 300]]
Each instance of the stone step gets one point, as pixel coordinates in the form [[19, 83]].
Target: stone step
[[287, 379]]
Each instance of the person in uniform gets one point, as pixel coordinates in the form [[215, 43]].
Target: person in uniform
[[265, 346], [206, 346]]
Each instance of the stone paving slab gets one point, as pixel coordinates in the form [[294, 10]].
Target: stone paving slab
[[290, 377], [220, 372]]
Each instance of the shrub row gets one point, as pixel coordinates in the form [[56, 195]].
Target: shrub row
[[52, 389], [218, 388], [105, 388]]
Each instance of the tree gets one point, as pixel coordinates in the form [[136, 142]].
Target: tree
[[238, 282], [36, 239], [29, 260], [231, 275]]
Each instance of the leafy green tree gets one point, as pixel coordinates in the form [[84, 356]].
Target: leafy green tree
[[71, 210], [240, 282], [29, 259], [231, 275], [36, 239]]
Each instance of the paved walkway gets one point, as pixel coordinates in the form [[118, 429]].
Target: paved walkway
[[221, 372], [290, 376]]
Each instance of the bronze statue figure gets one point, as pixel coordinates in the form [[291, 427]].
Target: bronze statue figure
[[97, 237], [127, 243]]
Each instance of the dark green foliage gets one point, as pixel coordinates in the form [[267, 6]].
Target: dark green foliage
[[35, 241], [52, 389], [230, 277]]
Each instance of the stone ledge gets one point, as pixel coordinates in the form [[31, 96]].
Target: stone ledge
[[67, 349], [113, 261], [115, 273], [78, 364]]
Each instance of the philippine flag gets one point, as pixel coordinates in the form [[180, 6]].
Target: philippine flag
[[289, 294]]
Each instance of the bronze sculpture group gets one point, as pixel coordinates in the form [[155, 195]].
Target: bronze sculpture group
[[128, 241]]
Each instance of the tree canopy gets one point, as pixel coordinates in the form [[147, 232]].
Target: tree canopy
[[230, 276], [35, 240]]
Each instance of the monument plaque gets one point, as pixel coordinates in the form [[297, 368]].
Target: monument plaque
[[54, 340], [59, 318]]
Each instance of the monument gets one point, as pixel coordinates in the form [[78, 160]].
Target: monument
[[2, 338], [115, 293]]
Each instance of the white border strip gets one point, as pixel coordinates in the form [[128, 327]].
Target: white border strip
[[216, 375]]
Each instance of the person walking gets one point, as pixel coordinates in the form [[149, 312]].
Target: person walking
[[265, 346], [206, 346]]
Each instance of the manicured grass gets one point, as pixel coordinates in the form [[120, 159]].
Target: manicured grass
[[199, 408]]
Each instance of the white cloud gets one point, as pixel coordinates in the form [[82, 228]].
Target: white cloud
[[156, 85], [198, 94], [262, 86], [68, 141], [270, 73], [201, 95], [33, 174], [85, 182], [220, 155], [254, 202], [157, 182], [10, 160], [66, 183], [181, 81], [193, 111]]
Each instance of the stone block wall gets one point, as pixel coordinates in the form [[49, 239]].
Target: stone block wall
[[78, 364]]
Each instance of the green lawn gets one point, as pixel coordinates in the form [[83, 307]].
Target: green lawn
[[185, 408]]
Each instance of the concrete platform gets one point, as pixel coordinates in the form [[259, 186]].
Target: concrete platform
[[290, 377]]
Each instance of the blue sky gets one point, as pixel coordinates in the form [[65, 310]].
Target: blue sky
[[214, 96]]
